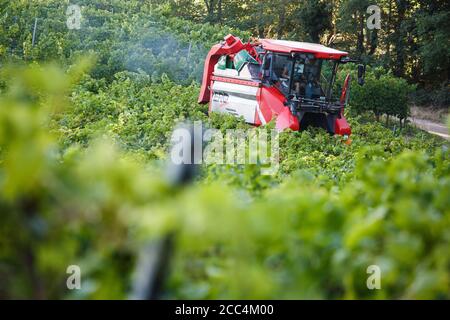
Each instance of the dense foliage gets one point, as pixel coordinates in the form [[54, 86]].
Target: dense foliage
[[381, 94], [124, 36], [304, 238], [412, 41], [81, 176]]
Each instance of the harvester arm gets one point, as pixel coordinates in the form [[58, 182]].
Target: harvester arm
[[346, 90], [341, 126], [231, 45]]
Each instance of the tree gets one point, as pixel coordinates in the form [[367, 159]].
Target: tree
[[314, 18], [399, 37], [352, 22], [433, 30]]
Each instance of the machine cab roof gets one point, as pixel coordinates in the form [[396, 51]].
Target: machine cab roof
[[319, 51]]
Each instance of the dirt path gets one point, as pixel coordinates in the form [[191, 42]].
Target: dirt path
[[432, 127]]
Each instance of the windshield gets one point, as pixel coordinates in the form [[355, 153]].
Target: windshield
[[309, 78], [327, 78], [281, 72]]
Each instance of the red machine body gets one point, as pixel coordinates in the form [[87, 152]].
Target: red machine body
[[276, 79]]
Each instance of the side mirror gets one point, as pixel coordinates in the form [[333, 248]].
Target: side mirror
[[361, 74]]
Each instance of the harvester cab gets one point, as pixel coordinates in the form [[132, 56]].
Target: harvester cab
[[290, 81]]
